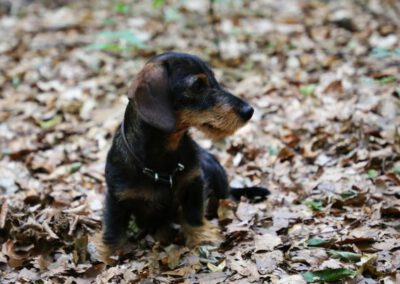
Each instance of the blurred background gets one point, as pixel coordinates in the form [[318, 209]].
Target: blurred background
[[322, 75]]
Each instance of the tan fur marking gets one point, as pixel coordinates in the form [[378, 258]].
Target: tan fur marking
[[174, 140], [203, 77], [104, 252], [205, 234], [223, 119], [188, 177], [138, 194]]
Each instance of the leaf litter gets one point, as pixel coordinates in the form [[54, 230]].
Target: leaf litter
[[325, 136]]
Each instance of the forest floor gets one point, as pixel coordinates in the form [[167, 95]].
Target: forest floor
[[323, 77]]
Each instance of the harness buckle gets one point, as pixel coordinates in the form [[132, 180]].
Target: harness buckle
[[169, 179], [148, 171], [180, 167]]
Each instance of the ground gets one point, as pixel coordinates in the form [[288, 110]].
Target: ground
[[325, 138]]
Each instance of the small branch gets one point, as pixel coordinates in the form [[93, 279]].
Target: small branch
[[213, 22], [3, 214]]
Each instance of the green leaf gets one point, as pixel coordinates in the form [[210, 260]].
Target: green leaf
[[272, 150], [348, 194], [133, 228], [344, 255], [50, 123], [290, 46], [352, 45], [319, 242], [111, 47], [206, 251], [307, 90], [396, 169], [372, 173], [271, 45], [172, 14], [16, 81], [386, 80], [315, 205], [367, 81], [380, 53], [116, 47], [121, 8], [328, 274], [158, 3], [124, 35], [109, 21], [75, 167], [203, 251]]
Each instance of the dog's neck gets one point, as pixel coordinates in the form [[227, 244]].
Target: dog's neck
[[152, 146]]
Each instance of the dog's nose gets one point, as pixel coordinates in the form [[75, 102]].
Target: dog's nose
[[246, 112]]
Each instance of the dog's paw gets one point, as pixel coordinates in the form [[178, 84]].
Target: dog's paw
[[205, 234], [99, 251]]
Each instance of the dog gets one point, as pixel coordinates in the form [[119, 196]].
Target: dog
[[154, 170]]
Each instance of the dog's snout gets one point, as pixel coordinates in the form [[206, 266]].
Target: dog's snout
[[246, 112]]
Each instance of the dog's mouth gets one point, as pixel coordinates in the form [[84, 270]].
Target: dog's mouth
[[214, 132]]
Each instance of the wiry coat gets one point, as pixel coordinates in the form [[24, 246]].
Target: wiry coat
[[172, 93]]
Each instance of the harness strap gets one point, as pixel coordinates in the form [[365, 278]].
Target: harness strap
[[164, 178]]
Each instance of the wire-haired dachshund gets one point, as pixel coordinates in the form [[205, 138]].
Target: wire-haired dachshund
[[154, 170]]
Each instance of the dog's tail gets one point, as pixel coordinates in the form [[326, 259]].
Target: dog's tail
[[254, 192], [216, 179]]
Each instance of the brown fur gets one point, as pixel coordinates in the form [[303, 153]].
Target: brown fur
[[136, 194], [216, 123], [174, 139], [207, 233], [103, 252], [188, 177]]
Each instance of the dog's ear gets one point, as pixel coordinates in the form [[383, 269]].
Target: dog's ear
[[149, 92]]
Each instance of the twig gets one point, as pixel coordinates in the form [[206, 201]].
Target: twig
[[213, 22], [3, 214], [49, 231]]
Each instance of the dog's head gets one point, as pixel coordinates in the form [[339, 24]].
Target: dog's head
[[175, 91]]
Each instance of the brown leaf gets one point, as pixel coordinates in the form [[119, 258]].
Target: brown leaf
[[179, 272], [15, 259], [334, 87], [391, 211], [285, 154], [233, 238]]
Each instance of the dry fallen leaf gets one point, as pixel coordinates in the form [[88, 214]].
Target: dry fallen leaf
[[266, 242], [322, 77]]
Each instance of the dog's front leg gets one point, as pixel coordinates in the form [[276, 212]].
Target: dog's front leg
[[115, 223], [116, 220], [196, 228]]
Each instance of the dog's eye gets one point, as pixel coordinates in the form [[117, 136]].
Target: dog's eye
[[199, 84]]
